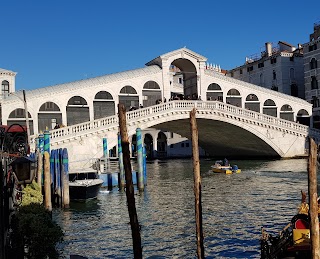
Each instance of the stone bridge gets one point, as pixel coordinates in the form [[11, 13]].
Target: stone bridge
[[224, 130]]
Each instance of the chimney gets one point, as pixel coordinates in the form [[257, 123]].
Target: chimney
[[269, 48]]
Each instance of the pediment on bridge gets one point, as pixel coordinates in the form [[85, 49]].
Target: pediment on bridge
[[179, 53]]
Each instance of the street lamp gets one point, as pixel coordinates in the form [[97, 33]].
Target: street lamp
[[24, 100]]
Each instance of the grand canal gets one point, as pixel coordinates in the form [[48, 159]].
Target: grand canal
[[235, 207]]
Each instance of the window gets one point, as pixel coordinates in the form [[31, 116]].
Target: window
[[182, 144], [5, 88], [171, 133], [292, 58], [180, 80], [314, 83], [273, 60], [315, 101], [260, 65], [249, 68], [313, 47], [313, 63], [187, 144], [274, 75], [240, 71], [171, 146]]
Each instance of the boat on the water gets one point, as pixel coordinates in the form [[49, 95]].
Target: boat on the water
[[84, 185], [294, 239], [224, 167]]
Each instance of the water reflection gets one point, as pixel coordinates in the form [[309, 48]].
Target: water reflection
[[235, 207]]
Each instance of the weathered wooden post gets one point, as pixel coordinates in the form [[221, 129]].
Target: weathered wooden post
[[140, 159], [47, 184], [135, 228], [40, 167], [121, 166], [313, 199], [197, 182]]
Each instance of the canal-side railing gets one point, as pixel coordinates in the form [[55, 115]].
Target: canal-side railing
[[111, 122]]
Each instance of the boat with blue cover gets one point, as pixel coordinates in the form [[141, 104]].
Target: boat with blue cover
[[224, 167]]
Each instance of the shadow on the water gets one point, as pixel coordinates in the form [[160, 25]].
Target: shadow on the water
[[85, 206]]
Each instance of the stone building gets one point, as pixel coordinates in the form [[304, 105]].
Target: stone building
[[277, 67], [311, 63]]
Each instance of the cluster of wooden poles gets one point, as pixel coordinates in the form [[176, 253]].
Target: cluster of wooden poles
[[52, 173]]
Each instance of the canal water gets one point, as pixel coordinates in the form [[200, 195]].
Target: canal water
[[235, 207]]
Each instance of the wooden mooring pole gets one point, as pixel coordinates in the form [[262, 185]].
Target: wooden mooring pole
[[197, 182], [135, 228], [313, 199], [47, 182]]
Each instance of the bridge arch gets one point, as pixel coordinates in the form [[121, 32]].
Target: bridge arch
[[77, 110], [286, 112], [270, 108], [214, 92], [129, 97], [47, 112], [103, 105], [189, 74], [252, 103], [151, 92], [234, 97], [18, 116]]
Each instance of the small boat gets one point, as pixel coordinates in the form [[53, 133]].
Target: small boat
[[294, 239], [84, 185], [220, 167]]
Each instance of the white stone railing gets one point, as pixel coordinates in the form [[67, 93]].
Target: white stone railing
[[182, 106]]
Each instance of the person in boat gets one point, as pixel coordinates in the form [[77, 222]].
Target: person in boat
[[225, 162]]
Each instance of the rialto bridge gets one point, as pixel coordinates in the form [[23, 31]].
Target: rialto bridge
[[235, 118]]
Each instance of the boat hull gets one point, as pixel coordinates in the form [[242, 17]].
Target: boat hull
[[84, 189]]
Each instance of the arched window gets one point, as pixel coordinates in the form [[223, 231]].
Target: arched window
[[151, 93], [77, 110], [270, 108], [128, 90], [234, 97], [314, 83], [151, 85], [303, 117], [313, 63], [103, 105], [104, 95], [49, 106], [214, 93], [286, 112], [129, 97], [18, 116], [49, 116], [5, 88], [214, 87], [252, 103]]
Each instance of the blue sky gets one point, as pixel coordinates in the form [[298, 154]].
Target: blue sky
[[54, 42]]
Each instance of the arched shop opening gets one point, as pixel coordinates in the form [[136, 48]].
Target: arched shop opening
[[48, 116], [161, 145], [148, 143]]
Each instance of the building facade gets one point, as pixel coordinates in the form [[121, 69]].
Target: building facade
[[311, 63], [278, 67]]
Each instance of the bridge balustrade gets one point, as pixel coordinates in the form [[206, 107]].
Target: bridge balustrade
[[72, 131]]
